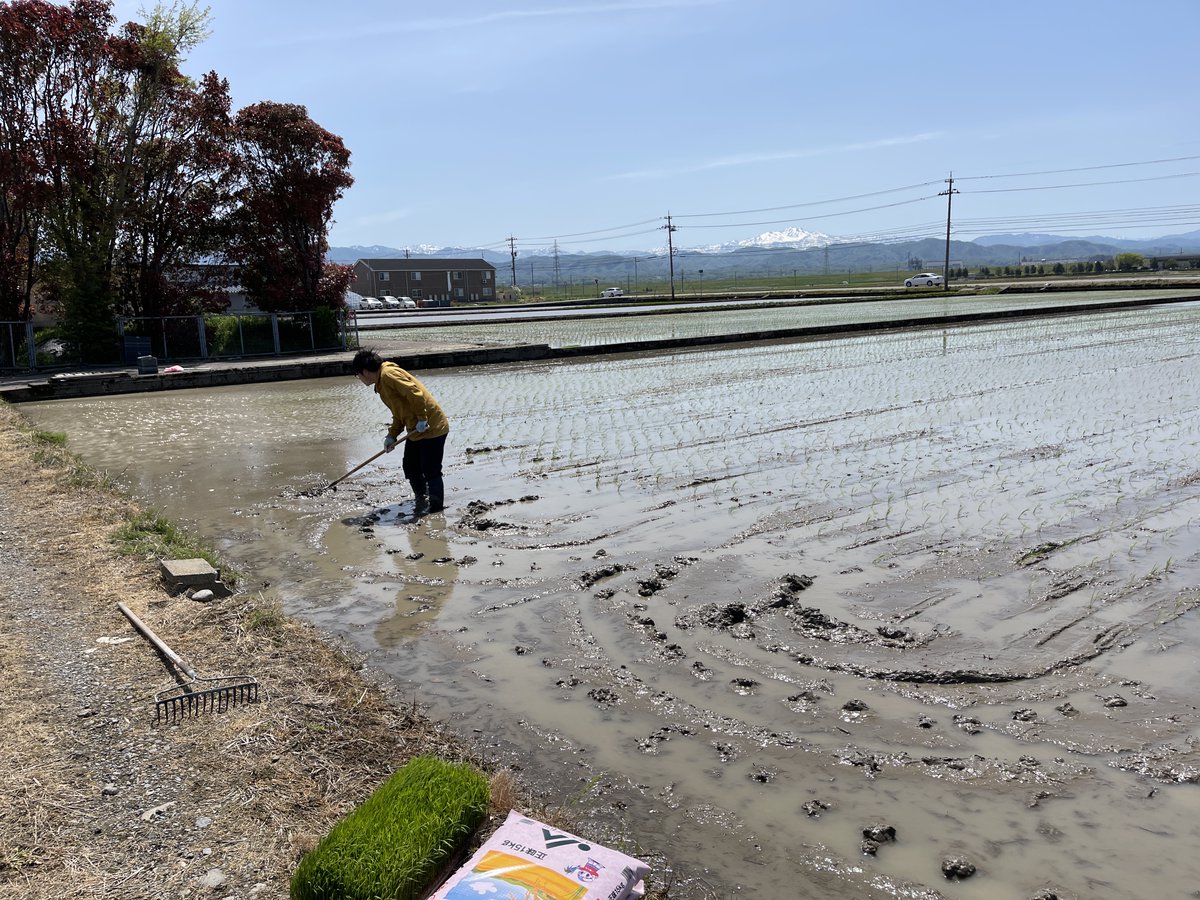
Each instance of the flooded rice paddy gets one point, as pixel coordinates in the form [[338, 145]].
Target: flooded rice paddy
[[751, 602], [581, 327]]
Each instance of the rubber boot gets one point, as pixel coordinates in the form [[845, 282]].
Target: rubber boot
[[420, 501]]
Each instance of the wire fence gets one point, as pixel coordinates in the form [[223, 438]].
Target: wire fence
[[28, 347]]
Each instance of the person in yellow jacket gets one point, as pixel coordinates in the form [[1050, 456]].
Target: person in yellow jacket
[[416, 412]]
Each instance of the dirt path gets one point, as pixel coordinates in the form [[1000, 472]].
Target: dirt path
[[94, 802]]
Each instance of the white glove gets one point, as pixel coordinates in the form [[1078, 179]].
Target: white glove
[[422, 425], [389, 442]]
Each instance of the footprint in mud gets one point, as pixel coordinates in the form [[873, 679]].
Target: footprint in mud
[[396, 514], [650, 744]]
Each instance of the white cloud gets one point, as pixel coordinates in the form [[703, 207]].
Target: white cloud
[[380, 27], [750, 159]]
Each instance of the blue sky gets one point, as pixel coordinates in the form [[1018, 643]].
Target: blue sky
[[588, 121]]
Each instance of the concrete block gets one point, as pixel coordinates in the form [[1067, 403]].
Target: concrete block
[[188, 572]]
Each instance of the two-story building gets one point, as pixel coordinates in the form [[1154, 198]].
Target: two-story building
[[431, 282]]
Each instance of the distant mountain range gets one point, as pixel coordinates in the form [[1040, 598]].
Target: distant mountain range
[[791, 250]]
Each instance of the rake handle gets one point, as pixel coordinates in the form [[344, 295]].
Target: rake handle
[[158, 643], [400, 440]]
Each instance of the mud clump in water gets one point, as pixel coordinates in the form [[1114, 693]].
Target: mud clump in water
[[475, 516], [588, 579], [744, 686], [956, 868], [604, 697], [874, 836], [651, 586]]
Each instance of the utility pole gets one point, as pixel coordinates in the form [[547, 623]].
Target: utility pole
[[556, 272], [948, 193], [512, 249], [671, 252]]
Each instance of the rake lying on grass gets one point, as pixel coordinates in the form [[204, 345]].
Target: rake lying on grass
[[196, 695]]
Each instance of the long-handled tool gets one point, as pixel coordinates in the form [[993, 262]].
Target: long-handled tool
[[333, 484], [195, 695]]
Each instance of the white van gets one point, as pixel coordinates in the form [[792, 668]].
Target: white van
[[612, 292]]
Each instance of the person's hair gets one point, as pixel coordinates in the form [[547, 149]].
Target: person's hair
[[366, 361]]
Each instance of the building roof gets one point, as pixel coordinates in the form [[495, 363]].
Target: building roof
[[425, 262]]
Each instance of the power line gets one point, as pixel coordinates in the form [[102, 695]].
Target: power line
[[747, 212], [1149, 162], [850, 212], [1144, 218], [597, 231], [605, 238], [1052, 187]]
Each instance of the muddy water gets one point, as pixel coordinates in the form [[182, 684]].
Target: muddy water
[[583, 327], [749, 602]]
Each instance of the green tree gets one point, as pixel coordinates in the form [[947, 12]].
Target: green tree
[[179, 168], [1128, 262]]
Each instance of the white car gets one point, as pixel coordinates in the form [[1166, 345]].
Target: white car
[[612, 292], [371, 303], [925, 279], [390, 302]]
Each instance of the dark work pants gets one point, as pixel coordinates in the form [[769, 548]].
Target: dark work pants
[[423, 466]]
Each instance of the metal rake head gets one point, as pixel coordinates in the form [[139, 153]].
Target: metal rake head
[[203, 695]]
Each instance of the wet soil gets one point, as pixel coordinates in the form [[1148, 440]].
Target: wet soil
[[900, 615]]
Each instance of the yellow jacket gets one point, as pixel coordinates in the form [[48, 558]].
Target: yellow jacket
[[409, 401]]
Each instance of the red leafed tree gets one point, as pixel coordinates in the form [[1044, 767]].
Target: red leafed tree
[[23, 62], [50, 60], [292, 172], [180, 188], [115, 169]]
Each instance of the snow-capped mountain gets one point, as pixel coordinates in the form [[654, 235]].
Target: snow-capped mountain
[[351, 254], [788, 238], [796, 238]]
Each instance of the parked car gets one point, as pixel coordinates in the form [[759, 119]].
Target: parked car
[[389, 302], [925, 279], [371, 303], [408, 302], [612, 292]]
